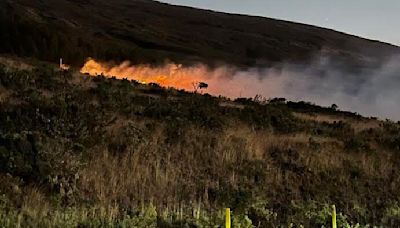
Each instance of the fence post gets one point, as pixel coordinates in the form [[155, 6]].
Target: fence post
[[334, 217], [227, 218]]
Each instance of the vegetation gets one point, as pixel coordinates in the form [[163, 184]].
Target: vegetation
[[151, 32], [81, 151], [89, 151]]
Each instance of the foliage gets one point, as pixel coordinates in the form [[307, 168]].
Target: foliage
[[92, 151]]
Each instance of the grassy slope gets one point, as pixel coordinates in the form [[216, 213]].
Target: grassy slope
[[76, 150], [96, 151], [148, 31]]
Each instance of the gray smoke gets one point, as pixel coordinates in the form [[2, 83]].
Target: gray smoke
[[372, 92]]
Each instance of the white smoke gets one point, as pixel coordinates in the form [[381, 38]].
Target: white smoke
[[373, 92]]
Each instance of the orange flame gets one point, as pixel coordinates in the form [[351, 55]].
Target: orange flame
[[169, 75], [226, 81]]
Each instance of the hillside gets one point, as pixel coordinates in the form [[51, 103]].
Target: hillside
[[83, 151], [151, 32], [92, 147]]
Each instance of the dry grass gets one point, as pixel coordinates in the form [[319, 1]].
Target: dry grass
[[130, 177], [15, 63], [166, 174], [320, 117], [129, 159], [230, 104], [4, 94], [82, 81], [179, 176], [365, 124], [357, 124], [35, 204]]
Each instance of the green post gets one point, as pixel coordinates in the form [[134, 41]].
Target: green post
[[227, 218], [334, 217]]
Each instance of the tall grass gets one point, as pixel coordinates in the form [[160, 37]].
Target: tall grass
[[104, 153]]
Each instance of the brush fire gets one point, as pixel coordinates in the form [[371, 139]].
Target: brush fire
[[225, 81], [169, 75]]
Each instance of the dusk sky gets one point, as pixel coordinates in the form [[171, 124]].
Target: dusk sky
[[373, 19]]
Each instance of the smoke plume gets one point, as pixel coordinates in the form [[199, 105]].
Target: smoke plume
[[372, 92]]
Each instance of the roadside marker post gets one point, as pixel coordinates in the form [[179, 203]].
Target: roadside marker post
[[334, 217], [227, 218]]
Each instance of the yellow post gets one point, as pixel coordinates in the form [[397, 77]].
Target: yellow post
[[227, 218], [334, 217]]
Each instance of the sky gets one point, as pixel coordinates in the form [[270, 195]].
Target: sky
[[373, 19]]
